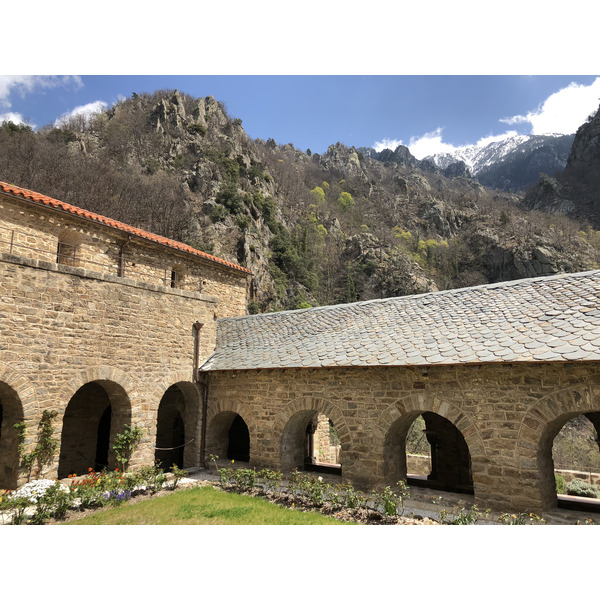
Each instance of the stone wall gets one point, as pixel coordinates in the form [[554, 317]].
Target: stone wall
[[79, 338], [569, 475], [418, 464], [32, 231], [326, 451], [507, 414]]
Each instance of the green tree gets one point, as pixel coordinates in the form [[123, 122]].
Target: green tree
[[346, 201]]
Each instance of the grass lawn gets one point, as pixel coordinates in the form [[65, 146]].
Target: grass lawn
[[204, 506]]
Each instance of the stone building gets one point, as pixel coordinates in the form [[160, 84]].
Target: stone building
[[105, 324], [110, 325], [494, 370]]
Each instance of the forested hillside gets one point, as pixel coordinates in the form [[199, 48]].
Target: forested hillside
[[314, 229]]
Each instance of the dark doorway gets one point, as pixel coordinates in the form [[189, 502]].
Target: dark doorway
[[103, 440], [450, 457], [96, 412], [238, 447], [11, 412]]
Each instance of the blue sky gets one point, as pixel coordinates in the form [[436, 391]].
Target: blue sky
[[433, 76], [424, 112]]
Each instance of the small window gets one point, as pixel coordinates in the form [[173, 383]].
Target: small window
[[177, 277], [67, 251]]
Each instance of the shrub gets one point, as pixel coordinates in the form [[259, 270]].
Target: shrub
[[560, 483], [197, 128], [353, 498], [53, 504], [178, 475], [521, 519], [390, 500], [125, 444], [153, 478], [272, 479], [580, 488], [462, 516], [317, 490], [244, 479], [218, 213]]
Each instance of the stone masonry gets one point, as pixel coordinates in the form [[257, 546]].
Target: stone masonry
[[110, 325], [78, 338]]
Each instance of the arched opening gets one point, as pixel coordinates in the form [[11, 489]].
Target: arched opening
[[570, 462], [103, 439], [229, 436], [11, 412], [238, 447], [96, 413], [429, 451], [311, 442], [176, 425]]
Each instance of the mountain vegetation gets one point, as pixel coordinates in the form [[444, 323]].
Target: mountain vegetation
[[314, 229]]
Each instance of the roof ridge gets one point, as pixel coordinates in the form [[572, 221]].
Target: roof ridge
[[89, 215], [449, 292]]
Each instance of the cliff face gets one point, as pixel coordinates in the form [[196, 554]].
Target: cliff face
[[576, 190], [314, 229]]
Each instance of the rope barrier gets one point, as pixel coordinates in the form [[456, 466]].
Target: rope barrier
[[176, 447]]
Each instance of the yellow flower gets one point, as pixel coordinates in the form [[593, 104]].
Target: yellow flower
[[232, 461]]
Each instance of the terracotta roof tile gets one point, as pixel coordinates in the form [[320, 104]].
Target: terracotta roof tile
[[86, 214]]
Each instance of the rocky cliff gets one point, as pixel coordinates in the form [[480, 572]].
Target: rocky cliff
[[314, 229], [576, 190]]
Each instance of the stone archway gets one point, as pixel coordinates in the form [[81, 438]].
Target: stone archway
[[296, 427], [11, 412], [95, 414], [177, 419], [229, 436], [455, 443], [539, 426]]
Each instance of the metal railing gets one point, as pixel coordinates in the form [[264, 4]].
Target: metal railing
[[67, 254]]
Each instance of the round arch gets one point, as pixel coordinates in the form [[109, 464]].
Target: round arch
[[540, 425], [178, 426], [290, 427], [463, 443], [92, 418], [230, 431], [11, 412]]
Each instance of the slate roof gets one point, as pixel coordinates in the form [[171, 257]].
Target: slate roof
[[545, 319], [37, 198]]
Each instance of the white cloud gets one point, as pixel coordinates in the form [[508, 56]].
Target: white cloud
[[16, 118], [562, 112], [25, 84], [84, 111], [428, 144], [386, 143]]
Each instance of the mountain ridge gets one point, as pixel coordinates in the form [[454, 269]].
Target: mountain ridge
[[314, 229]]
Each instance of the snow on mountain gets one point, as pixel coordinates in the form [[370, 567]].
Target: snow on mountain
[[478, 158]]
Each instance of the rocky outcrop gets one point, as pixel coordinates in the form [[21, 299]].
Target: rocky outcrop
[[576, 190]]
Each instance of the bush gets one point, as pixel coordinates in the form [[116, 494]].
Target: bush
[[560, 483], [153, 478], [580, 488]]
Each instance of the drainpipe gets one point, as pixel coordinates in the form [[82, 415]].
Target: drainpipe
[[201, 381]]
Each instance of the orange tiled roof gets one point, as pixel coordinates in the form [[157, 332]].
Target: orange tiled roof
[[86, 214]]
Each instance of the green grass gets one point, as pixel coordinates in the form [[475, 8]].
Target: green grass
[[204, 506]]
